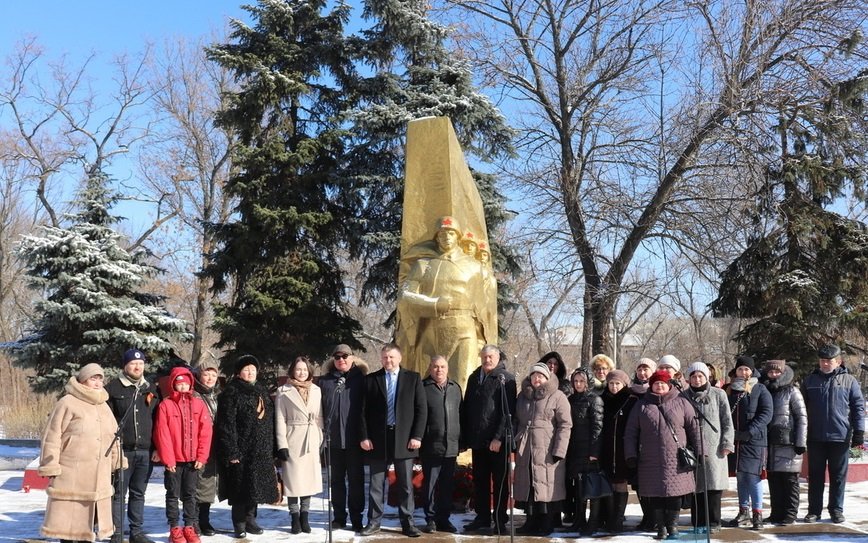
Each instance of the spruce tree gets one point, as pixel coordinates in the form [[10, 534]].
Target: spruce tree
[[278, 253], [802, 281], [414, 76], [94, 306]]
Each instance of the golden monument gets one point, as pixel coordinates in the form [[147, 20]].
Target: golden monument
[[447, 299]]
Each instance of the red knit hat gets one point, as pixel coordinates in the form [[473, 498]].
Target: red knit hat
[[659, 375]]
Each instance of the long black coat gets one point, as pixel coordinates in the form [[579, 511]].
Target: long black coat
[[586, 410], [346, 419], [616, 411], [242, 435], [482, 418], [443, 429], [411, 413]]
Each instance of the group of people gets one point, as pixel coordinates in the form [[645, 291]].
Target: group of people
[[580, 442]]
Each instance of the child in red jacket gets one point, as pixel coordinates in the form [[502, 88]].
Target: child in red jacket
[[182, 435]]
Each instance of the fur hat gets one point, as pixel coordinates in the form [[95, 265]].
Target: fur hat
[[89, 370], [700, 367], [746, 361], [244, 361], [775, 365], [132, 354], [660, 375], [540, 367], [618, 375], [669, 360]]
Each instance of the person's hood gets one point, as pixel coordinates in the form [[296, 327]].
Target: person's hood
[[785, 379], [174, 374]]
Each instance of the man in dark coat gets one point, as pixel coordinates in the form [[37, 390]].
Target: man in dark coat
[[342, 388], [440, 446], [490, 395], [394, 414], [836, 422], [132, 395]]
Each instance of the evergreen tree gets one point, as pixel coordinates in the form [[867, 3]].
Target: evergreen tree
[[278, 252], [803, 279], [94, 306], [415, 76]]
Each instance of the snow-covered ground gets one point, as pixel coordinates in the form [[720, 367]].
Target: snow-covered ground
[[21, 515]]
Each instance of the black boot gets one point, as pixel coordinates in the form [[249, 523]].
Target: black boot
[[545, 523], [741, 520], [593, 523], [305, 525], [205, 527], [296, 523], [530, 522], [660, 521], [757, 520], [672, 523], [616, 515], [647, 522]]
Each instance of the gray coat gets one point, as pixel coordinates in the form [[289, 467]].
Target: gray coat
[[712, 403], [789, 425], [648, 438], [542, 436]]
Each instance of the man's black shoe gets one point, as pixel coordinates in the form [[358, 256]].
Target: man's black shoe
[[410, 530], [240, 534], [140, 538], [339, 524], [357, 526], [810, 517], [446, 526], [838, 518], [429, 527], [253, 527], [501, 529], [477, 525], [370, 529]]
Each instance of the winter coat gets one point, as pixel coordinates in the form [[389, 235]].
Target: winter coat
[[789, 426], [206, 489], [712, 403], [542, 436], [299, 429], [443, 429], [346, 418], [244, 429], [835, 405], [139, 425], [586, 412], [183, 427], [616, 411], [481, 414], [751, 411], [648, 439], [80, 430]]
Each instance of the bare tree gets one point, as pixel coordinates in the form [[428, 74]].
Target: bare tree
[[185, 163], [621, 106]]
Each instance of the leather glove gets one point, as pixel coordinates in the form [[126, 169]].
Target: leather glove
[[632, 462], [858, 439], [742, 435], [556, 458], [799, 450], [283, 455]]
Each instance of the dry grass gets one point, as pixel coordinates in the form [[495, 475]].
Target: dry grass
[[27, 420]]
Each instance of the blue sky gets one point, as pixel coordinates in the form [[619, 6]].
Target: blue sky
[[108, 27]]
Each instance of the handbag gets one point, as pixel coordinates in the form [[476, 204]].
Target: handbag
[[595, 484], [686, 458]]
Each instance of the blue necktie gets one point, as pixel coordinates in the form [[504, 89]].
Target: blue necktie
[[390, 399]]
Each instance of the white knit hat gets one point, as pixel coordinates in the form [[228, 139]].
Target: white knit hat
[[669, 360], [700, 367]]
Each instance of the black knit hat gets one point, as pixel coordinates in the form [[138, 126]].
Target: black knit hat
[[745, 360], [829, 351], [244, 361]]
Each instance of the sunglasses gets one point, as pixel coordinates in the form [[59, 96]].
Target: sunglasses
[[340, 356]]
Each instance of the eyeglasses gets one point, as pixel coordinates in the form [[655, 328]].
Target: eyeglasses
[[340, 356]]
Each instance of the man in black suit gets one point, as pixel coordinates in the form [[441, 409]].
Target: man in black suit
[[394, 415]]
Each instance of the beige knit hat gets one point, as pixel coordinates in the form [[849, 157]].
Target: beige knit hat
[[88, 371]]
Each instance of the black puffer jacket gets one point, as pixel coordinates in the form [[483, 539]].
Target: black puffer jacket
[[443, 426], [481, 414], [751, 411], [242, 435], [586, 409]]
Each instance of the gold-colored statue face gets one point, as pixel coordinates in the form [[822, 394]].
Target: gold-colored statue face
[[447, 239], [469, 248]]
